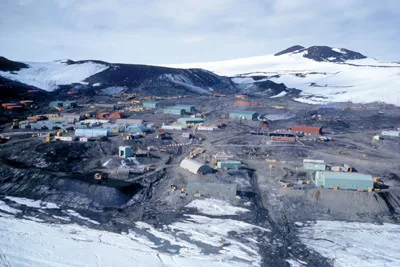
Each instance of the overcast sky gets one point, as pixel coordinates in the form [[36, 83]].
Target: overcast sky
[[182, 31]]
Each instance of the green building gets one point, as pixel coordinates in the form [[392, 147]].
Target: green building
[[174, 111], [190, 120], [150, 104], [187, 108], [344, 180], [310, 166], [125, 152], [229, 164], [243, 115]]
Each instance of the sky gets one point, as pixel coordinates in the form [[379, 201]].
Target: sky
[[184, 31]]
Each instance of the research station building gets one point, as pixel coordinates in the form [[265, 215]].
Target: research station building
[[344, 180], [174, 111], [150, 104], [243, 115], [195, 166]]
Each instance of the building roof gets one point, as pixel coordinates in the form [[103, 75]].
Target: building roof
[[345, 176], [194, 166], [150, 102], [183, 106], [243, 112], [184, 120], [129, 121]]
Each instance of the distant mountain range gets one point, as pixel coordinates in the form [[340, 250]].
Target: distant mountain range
[[317, 74]]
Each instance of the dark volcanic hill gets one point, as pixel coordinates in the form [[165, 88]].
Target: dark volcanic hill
[[324, 53], [9, 65]]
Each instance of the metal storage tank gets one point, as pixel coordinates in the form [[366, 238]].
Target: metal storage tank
[[344, 180], [195, 166], [187, 108], [243, 114], [95, 132], [229, 164], [307, 129], [150, 104], [174, 111], [212, 189]]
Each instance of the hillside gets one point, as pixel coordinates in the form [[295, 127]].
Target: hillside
[[323, 74], [98, 75]]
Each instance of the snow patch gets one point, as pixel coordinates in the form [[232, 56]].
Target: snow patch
[[29, 243], [283, 93], [96, 84], [38, 204], [6, 208], [215, 207], [48, 76], [77, 215], [354, 244]]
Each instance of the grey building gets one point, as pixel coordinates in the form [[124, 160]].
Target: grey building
[[212, 189], [243, 115], [129, 121], [174, 111]]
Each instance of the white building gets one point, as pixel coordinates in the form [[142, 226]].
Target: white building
[[195, 166]]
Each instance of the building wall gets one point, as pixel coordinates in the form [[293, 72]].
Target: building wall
[[91, 132], [307, 129], [174, 111], [212, 189], [187, 108], [150, 104], [349, 181], [391, 133]]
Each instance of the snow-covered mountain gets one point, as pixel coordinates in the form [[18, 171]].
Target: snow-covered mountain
[[88, 74], [323, 74]]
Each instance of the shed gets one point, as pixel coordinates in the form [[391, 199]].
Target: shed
[[190, 120], [187, 108], [150, 104], [344, 180], [174, 111], [195, 166], [94, 132], [243, 115], [105, 106], [125, 152], [307, 129], [231, 164], [210, 189]]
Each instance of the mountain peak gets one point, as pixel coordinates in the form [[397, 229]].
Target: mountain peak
[[290, 50], [324, 53]]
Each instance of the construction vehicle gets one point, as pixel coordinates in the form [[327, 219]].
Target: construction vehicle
[[195, 152], [47, 139], [4, 138], [377, 180], [15, 124]]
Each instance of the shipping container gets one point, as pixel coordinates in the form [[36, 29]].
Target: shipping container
[[307, 129]]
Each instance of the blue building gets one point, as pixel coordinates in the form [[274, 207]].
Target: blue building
[[243, 115], [150, 104], [174, 111]]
